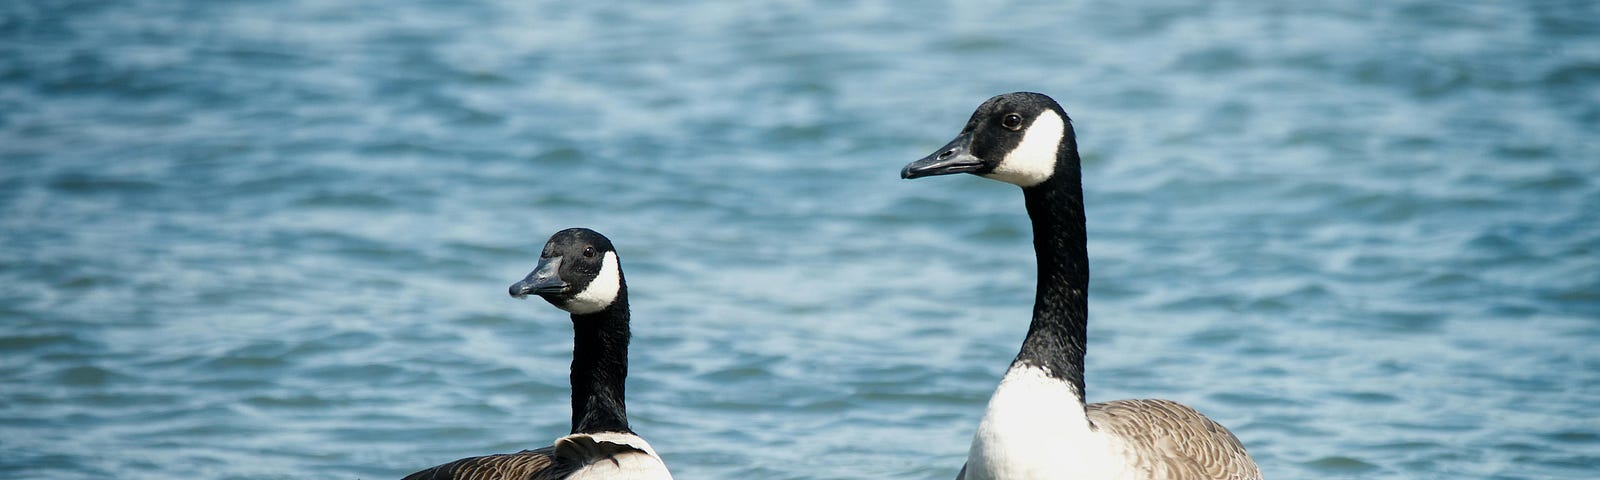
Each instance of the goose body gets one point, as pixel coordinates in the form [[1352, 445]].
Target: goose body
[[573, 457], [1037, 424], [578, 272]]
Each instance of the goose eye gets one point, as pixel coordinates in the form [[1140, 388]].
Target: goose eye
[[588, 252], [1012, 121]]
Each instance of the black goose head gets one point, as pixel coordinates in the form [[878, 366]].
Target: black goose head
[[1019, 138], [578, 272]]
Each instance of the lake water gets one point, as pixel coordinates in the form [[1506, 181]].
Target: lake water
[[253, 239]]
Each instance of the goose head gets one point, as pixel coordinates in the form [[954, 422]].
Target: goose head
[[577, 272], [1021, 138]]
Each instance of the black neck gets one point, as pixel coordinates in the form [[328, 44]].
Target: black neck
[[600, 368], [1056, 338]]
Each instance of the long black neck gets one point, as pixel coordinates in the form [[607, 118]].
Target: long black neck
[[600, 368], [1057, 336]]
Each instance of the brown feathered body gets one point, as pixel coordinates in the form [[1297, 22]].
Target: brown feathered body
[[1164, 439], [573, 457]]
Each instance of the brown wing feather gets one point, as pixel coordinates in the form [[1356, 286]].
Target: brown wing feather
[[568, 456], [1170, 440], [540, 464]]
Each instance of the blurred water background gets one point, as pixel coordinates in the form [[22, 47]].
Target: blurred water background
[[252, 239]]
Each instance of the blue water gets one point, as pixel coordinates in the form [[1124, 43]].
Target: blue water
[[272, 239]]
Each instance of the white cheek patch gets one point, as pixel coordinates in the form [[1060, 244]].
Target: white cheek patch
[[601, 291], [1034, 160]]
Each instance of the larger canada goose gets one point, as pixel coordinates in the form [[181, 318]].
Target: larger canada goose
[[1037, 425], [578, 272]]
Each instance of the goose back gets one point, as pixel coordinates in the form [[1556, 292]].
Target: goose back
[[1166, 439], [610, 455]]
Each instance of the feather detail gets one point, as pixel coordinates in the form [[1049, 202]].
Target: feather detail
[[1166, 439]]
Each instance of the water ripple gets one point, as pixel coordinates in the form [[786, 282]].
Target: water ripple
[[250, 240]]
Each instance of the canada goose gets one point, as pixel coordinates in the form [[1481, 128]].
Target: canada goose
[[1037, 425], [578, 272]]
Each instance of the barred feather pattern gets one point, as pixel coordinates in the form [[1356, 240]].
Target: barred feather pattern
[[1166, 439], [525, 465], [573, 457]]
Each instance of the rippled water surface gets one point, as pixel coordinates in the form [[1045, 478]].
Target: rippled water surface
[[272, 239]]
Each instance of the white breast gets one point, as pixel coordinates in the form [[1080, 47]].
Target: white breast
[[1035, 428], [640, 464]]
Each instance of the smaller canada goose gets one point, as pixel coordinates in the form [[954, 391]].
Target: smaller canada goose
[[1037, 425], [578, 272]]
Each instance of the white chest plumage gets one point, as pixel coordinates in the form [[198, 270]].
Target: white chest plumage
[[637, 461], [1035, 428]]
